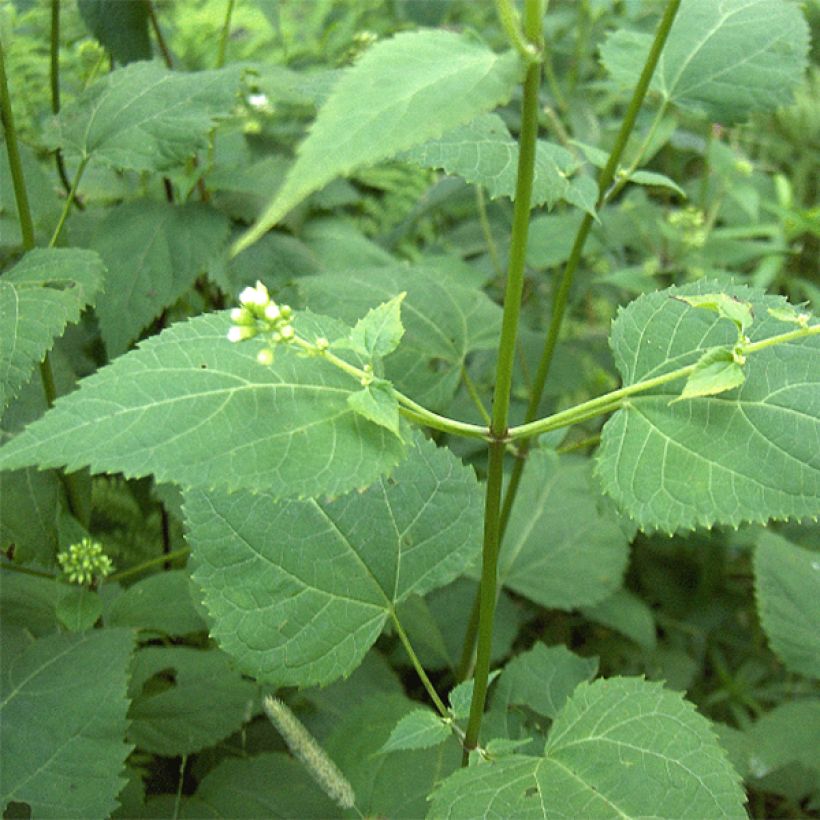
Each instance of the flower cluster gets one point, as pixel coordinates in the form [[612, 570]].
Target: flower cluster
[[85, 561], [258, 315]]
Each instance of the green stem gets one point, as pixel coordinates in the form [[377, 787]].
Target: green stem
[[410, 408], [151, 562], [508, 17], [612, 400], [408, 647], [223, 38], [15, 163], [486, 230], [533, 21], [152, 17], [54, 77], [471, 389], [27, 571], [465, 663], [564, 286], [72, 193]]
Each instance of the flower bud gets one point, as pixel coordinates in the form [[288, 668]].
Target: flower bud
[[238, 333], [272, 312], [265, 357]]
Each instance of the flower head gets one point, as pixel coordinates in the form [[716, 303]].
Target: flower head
[[85, 561]]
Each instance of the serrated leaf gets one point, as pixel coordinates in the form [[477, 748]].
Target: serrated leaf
[[563, 548], [380, 331], [121, 27], [144, 117], [621, 747], [444, 321], [62, 724], [299, 591], [78, 608], [419, 729], [193, 408], [160, 603], [715, 372], [207, 701], [790, 315], [401, 92], [39, 296], [787, 587], [543, 677], [723, 459], [483, 152], [154, 252], [725, 306], [723, 60], [785, 735], [377, 402]]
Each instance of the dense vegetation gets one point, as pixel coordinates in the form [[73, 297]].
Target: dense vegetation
[[409, 408]]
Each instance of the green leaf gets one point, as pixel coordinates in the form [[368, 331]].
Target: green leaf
[[785, 735], [29, 500], [461, 696], [380, 331], [268, 785], [628, 614], [31, 602], [144, 117], [160, 603], [787, 586], [444, 321], [419, 729], [790, 315], [207, 701], [715, 372], [377, 402], [484, 153], [193, 408], [39, 296], [62, 724], [401, 92], [543, 678], [655, 180], [722, 459], [122, 27], [622, 747], [78, 608], [723, 60], [154, 252], [563, 548], [726, 306], [304, 606], [395, 785]]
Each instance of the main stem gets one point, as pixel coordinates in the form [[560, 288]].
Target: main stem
[[559, 304], [533, 28]]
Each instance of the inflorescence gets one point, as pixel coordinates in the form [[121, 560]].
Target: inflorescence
[[85, 561], [259, 315]]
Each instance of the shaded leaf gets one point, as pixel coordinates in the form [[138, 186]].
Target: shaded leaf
[[401, 92], [299, 591], [197, 700], [628, 614], [161, 603], [78, 608], [787, 586], [121, 26], [144, 117], [154, 252], [748, 456], [46, 290], [621, 747], [563, 547], [461, 696], [723, 60], [62, 723], [193, 408]]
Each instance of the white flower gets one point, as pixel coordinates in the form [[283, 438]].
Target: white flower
[[259, 101], [265, 357], [272, 312], [238, 333]]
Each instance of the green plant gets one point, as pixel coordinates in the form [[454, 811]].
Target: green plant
[[340, 441]]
